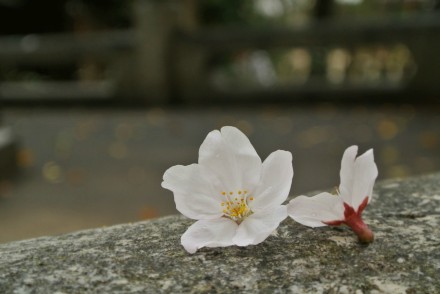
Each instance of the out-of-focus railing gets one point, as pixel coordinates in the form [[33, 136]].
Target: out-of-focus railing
[[417, 37], [166, 57], [63, 49]]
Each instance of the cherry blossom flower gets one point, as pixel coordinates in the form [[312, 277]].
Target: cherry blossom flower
[[235, 198], [357, 180]]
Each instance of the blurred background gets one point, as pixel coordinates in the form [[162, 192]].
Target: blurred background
[[99, 98]]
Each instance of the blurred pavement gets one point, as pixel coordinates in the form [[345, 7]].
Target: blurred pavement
[[84, 168]]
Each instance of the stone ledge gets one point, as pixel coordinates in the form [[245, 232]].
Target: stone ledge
[[147, 257]]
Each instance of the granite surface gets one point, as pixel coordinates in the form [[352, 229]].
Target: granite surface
[[147, 257]]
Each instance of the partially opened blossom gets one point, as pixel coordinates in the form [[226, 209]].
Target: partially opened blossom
[[357, 180], [235, 198]]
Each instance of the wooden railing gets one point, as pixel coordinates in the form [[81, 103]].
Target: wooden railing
[[166, 57], [420, 34], [58, 50]]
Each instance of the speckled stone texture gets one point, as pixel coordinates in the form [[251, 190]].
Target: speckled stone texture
[[147, 257]]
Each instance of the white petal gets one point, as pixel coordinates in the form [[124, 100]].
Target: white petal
[[275, 182], [209, 233], [347, 174], [365, 176], [193, 193], [357, 176], [232, 158], [258, 226], [313, 211]]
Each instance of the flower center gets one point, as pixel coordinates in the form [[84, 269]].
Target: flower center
[[235, 205]]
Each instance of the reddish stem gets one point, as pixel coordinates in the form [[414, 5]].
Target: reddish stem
[[355, 222]]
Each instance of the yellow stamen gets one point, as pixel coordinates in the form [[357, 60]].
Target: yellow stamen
[[251, 198], [235, 208]]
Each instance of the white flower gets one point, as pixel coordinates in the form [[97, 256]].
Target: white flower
[[355, 191], [235, 198]]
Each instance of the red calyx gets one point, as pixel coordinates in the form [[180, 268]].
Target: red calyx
[[353, 219]]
